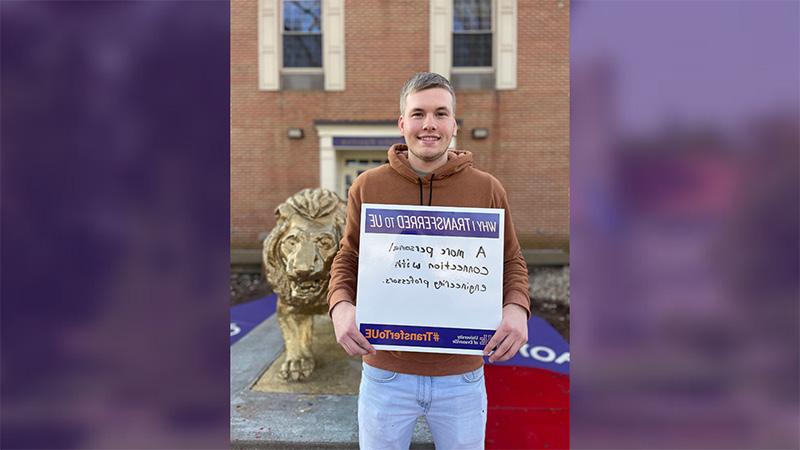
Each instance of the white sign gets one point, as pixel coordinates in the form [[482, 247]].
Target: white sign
[[430, 279]]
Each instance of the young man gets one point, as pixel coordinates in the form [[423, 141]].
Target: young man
[[397, 387]]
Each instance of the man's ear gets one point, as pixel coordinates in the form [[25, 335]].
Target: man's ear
[[400, 123]]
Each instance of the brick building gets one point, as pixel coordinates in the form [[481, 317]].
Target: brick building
[[315, 90]]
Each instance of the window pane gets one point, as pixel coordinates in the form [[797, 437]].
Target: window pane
[[302, 51], [472, 15], [301, 15], [472, 50]]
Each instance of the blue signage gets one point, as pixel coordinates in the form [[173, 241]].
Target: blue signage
[[372, 142]]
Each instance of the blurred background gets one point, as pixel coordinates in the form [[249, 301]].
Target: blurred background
[[114, 184], [684, 219]]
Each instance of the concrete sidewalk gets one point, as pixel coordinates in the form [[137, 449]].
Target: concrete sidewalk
[[281, 420]]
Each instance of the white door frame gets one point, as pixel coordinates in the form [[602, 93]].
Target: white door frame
[[328, 175]]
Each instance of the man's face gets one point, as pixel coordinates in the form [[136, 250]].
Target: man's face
[[428, 125]]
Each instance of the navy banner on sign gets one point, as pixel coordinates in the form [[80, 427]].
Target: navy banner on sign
[[436, 337], [432, 223]]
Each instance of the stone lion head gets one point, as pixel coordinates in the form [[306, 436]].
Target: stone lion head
[[299, 251]]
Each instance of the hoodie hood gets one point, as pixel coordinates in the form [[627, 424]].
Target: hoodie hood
[[457, 160]]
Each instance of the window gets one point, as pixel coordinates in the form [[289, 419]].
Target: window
[[472, 33], [302, 33], [474, 43], [301, 45], [355, 166]]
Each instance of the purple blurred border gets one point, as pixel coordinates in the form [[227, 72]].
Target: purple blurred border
[[115, 224], [684, 224]]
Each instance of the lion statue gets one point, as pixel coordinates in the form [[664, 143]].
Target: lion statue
[[298, 254]]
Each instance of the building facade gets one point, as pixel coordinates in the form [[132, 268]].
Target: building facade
[[315, 88]]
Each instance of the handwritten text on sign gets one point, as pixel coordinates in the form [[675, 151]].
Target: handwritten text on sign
[[428, 272]]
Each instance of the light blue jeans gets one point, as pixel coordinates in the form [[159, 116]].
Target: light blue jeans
[[390, 402]]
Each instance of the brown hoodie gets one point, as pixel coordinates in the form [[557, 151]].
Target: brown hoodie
[[456, 183]]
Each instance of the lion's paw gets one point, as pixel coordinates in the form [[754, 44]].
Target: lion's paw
[[297, 369]]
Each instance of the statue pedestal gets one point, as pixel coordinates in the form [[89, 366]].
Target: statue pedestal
[[267, 412], [334, 373]]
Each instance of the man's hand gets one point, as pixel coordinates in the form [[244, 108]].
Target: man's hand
[[510, 335], [347, 335]]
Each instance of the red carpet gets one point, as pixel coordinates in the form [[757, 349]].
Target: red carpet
[[528, 408]]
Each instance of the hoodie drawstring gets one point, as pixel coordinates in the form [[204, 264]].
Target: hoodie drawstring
[[430, 192]]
